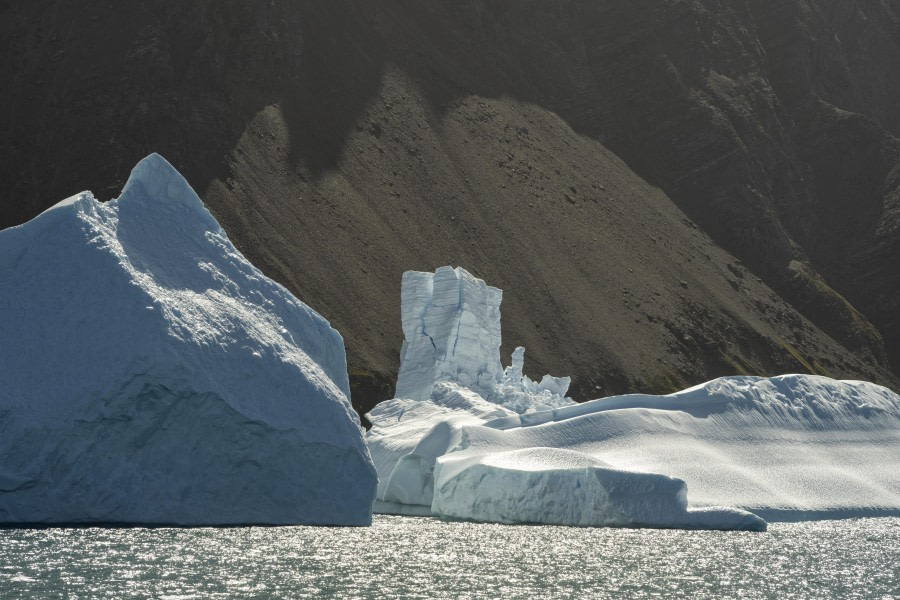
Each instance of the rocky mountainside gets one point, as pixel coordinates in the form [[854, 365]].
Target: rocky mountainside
[[667, 191]]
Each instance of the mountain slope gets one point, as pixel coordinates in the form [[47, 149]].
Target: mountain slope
[[340, 144]]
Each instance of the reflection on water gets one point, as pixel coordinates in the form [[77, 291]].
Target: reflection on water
[[428, 558]]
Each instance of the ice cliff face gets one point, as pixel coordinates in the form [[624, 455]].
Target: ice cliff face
[[451, 330], [152, 375]]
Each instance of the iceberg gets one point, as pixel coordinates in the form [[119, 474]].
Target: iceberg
[[721, 455], [152, 375]]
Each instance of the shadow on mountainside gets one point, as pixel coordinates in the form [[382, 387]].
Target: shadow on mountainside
[[778, 142]]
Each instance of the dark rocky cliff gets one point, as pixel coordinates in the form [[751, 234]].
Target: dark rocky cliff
[[666, 191]]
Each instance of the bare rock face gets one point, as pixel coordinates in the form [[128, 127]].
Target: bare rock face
[[684, 189]]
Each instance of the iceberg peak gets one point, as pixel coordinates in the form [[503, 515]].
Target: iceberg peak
[[153, 179]]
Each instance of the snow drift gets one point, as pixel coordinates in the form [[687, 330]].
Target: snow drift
[[795, 446], [151, 374]]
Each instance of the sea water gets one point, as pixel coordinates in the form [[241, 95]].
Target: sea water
[[402, 557]]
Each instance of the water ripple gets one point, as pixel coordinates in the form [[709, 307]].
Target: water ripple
[[429, 558]]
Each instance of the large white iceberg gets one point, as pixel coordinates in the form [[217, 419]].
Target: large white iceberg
[[151, 374], [795, 446]]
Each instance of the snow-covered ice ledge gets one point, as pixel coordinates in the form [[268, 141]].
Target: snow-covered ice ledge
[[151, 374], [475, 441]]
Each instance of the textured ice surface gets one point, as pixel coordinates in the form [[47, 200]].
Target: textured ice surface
[[151, 374]]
